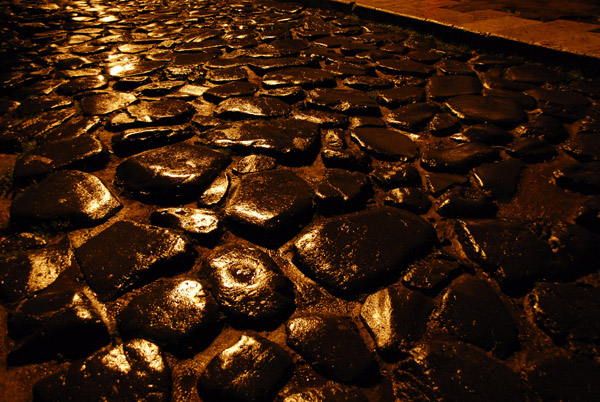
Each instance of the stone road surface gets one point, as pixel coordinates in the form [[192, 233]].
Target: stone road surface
[[257, 201]]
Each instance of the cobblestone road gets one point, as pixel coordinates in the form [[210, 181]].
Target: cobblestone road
[[256, 201]]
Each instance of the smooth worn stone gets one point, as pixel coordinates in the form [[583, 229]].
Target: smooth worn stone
[[347, 101], [287, 94], [339, 189], [20, 242], [499, 179], [83, 153], [460, 158], [202, 224], [203, 123], [394, 97], [128, 372], [532, 150], [566, 311], [335, 158], [126, 255], [36, 105], [382, 240], [201, 45], [446, 86], [544, 127], [486, 109], [437, 183], [385, 143], [179, 314], [396, 317], [65, 199], [341, 69], [535, 74], [367, 83], [227, 74], [248, 284], [465, 203], [255, 163], [366, 121], [215, 192], [286, 139], [588, 87], [269, 215], [512, 253], [137, 140], [60, 321], [161, 112], [74, 127], [485, 133], [561, 104], [100, 104], [424, 56], [251, 370], [460, 372], [410, 198], [263, 66], [525, 101], [337, 392], [129, 83], [564, 378], [331, 345], [451, 66], [298, 76], [443, 124], [246, 107], [159, 88], [83, 84], [172, 171], [396, 176], [404, 66], [430, 274], [24, 273], [490, 325], [323, 119], [411, 117], [584, 147], [221, 92], [581, 177]]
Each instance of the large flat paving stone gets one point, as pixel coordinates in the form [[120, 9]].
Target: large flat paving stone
[[385, 143], [350, 254], [486, 109]]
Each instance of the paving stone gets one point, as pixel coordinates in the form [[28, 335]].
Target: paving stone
[[100, 104], [499, 179], [581, 177], [74, 127], [443, 124], [178, 313], [486, 109], [367, 83], [159, 88], [405, 67], [263, 216], [201, 224], [321, 249], [445, 86], [451, 66], [135, 68], [335, 392], [561, 104], [397, 175], [255, 163], [24, 273], [286, 139], [412, 199], [340, 189], [68, 199], [126, 255], [350, 102], [386, 143], [290, 95], [262, 66], [136, 140], [534, 74], [252, 107], [397, 96], [331, 345], [531, 150], [83, 84], [215, 192], [342, 69], [465, 203], [35, 105], [61, 321], [396, 318], [512, 253], [461, 372], [485, 133], [83, 153], [323, 119], [237, 88], [459, 158], [253, 369], [160, 112], [583, 147], [588, 214], [126, 372], [334, 158], [490, 325], [248, 284], [411, 117], [177, 170], [525, 101], [300, 76], [548, 128], [430, 274]]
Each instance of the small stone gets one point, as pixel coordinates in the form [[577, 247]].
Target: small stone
[[486, 109], [499, 179], [341, 189], [396, 317], [412, 199], [126, 255], [216, 191], [251, 370], [170, 172], [386, 143], [460, 158], [132, 371], [437, 183], [178, 313], [381, 243], [248, 284], [100, 104], [331, 345], [411, 117], [202, 224], [69, 199], [334, 158], [397, 176], [281, 210]]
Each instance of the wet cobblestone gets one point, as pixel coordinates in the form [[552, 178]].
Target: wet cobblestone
[[261, 201]]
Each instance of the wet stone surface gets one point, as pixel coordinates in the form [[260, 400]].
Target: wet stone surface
[[264, 201]]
